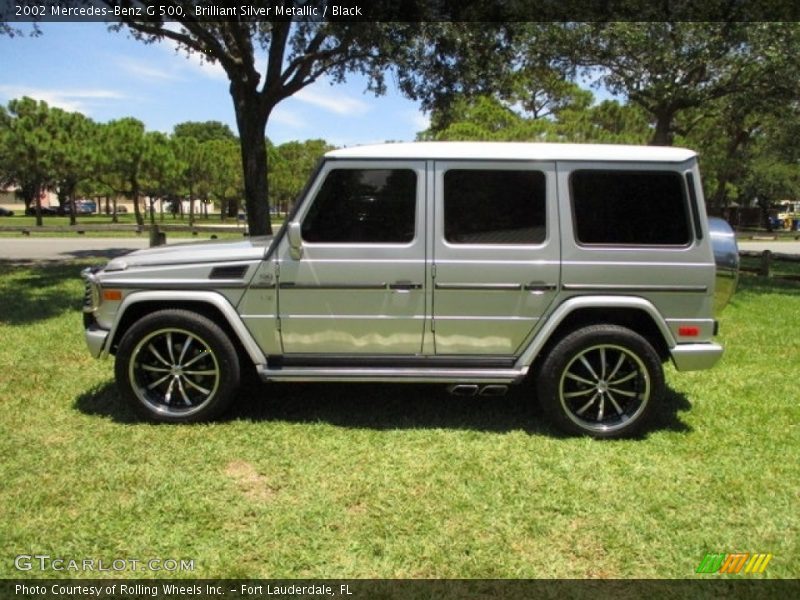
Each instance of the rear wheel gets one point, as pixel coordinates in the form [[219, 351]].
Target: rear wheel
[[602, 381], [177, 366]]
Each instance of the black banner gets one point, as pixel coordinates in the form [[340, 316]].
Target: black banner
[[372, 589], [19, 11]]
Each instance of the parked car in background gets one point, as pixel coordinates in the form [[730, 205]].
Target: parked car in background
[[85, 207], [46, 210], [4, 212]]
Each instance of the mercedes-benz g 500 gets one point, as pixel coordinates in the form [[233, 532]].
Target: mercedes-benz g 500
[[581, 268]]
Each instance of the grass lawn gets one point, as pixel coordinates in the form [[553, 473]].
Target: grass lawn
[[394, 481]]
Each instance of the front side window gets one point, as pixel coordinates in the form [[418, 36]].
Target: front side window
[[362, 206], [483, 206], [640, 208]]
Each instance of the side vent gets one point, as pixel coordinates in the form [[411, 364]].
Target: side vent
[[228, 272]]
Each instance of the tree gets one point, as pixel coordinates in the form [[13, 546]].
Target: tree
[[608, 122], [458, 62], [203, 131], [26, 150], [160, 170], [748, 148], [667, 68], [486, 118], [292, 165], [225, 183], [188, 138], [74, 148], [298, 53], [191, 167], [123, 146]]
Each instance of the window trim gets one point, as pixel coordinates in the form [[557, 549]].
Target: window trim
[[605, 245], [324, 173], [693, 205], [505, 166]]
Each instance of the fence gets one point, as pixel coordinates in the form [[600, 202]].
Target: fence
[[157, 232], [767, 260]]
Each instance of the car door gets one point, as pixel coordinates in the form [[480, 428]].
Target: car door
[[496, 254], [356, 284]]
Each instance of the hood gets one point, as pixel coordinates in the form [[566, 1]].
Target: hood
[[194, 252]]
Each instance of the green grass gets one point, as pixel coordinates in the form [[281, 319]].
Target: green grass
[[394, 481]]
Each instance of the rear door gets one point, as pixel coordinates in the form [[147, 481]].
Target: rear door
[[495, 252]]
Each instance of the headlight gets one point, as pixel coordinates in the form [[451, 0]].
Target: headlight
[[91, 294]]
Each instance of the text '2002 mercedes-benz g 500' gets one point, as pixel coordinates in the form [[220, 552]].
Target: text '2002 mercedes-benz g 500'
[[479, 265]]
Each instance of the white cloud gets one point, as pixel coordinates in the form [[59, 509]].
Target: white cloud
[[144, 71], [420, 121], [288, 117], [332, 101], [75, 100]]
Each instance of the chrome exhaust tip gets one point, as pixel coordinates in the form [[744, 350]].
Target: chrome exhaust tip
[[463, 389]]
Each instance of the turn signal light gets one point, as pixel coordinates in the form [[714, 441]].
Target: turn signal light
[[112, 295]]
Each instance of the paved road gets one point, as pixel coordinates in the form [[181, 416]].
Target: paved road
[[72, 247], [47, 248]]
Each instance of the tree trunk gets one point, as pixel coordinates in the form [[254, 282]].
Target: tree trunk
[[38, 207], [191, 206], [663, 135], [72, 209], [136, 210], [252, 115], [720, 197]]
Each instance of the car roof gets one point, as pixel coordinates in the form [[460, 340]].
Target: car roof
[[514, 151]]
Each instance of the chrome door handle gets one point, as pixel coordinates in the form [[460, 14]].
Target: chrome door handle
[[539, 286], [405, 286]]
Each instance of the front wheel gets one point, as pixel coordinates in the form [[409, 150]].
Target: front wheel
[[177, 366], [602, 381]]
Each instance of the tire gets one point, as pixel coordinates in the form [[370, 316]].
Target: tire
[[602, 381], [176, 366]]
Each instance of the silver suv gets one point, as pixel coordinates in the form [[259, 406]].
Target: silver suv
[[581, 268]]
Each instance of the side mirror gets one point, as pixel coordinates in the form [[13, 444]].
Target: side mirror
[[295, 240]]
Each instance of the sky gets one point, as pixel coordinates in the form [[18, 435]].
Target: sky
[[108, 75]]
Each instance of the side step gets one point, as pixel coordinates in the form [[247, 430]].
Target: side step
[[500, 377]]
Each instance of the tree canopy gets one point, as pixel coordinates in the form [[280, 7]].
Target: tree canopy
[[269, 61]]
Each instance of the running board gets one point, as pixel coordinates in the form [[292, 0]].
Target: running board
[[497, 376]]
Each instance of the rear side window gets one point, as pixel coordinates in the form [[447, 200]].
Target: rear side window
[[483, 206], [640, 208], [362, 206]]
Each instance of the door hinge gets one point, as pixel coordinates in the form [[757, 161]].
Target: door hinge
[[433, 271]]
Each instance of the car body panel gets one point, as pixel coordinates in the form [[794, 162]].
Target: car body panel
[[429, 309]]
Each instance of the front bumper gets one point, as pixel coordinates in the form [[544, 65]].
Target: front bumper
[[696, 357], [96, 339]]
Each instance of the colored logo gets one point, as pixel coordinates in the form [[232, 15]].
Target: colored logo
[[741, 562]]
